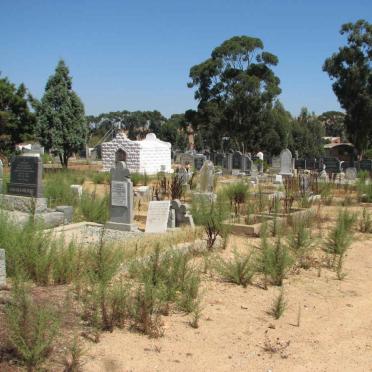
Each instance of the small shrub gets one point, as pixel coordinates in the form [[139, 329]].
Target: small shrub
[[300, 242], [239, 270], [211, 215], [101, 178], [365, 223], [339, 240], [237, 193], [279, 305], [32, 328], [273, 261], [94, 208], [72, 361]]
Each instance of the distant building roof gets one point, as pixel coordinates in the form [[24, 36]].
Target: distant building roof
[[333, 145]]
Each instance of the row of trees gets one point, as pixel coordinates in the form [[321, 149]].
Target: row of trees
[[237, 93]]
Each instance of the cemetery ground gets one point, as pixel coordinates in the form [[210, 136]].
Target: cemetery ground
[[137, 305]]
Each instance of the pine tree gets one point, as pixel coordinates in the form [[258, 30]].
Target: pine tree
[[61, 125]]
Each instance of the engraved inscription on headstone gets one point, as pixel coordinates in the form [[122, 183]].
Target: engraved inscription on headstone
[[2, 268], [157, 217], [119, 194], [26, 176]]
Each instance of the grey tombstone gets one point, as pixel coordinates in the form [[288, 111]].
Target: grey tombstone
[[182, 217], [121, 199], [237, 160], [157, 216], [199, 160], [286, 167], [275, 164], [26, 176], [246, 163], [2, 268], [351, 173], [184, 175], [207, 177], [1, 176]]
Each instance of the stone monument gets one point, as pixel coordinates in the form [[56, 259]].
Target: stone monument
[[286, 163], [157, 216], [121, 199], [350, 174], [26, 174], [207, 177]]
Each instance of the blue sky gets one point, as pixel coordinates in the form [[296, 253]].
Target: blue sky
[[136, 55]]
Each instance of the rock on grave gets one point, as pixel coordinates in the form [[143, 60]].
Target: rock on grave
[[2, 268], [157, 217], [121, 199]]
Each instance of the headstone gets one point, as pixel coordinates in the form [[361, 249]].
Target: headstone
[[237, 160], [275, 164], [351, 173], [246, 163], [278, 179], [26, 176], [304, 183], [77, 190], [121, 199], [157, 217], [182, 217], [199, 160], [323, 174], [171, 219], [207, 177], [227, 162], [286, 163], [184, 175], [1, 176], [2, 268]]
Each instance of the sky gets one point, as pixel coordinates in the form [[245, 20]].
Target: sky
[[136, 55]]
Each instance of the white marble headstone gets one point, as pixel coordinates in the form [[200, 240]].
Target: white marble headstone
[[157, 217]]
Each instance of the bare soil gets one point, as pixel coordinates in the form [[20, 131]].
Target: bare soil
[[237, 333]]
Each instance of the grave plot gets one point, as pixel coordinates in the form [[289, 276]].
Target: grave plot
[[208, 294]]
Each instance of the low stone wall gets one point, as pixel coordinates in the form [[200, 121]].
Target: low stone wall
[[23, 203]]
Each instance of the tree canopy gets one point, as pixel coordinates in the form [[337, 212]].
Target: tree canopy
[[61, 124], [350, 69], [235, 90], [17, 122]]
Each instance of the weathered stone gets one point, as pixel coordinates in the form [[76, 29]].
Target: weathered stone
[[286, 166], [26, 176], [157, 217], [68, 212]]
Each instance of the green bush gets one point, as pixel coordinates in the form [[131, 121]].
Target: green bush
[[239, 270], [339, 240], [273, 261], [37, 253], [211, 215], [279, 305], [32, 328], [101, 178], [94, 208], [300, 242], [237, 193]]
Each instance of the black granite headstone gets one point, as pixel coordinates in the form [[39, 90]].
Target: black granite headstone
[[26, 176]]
